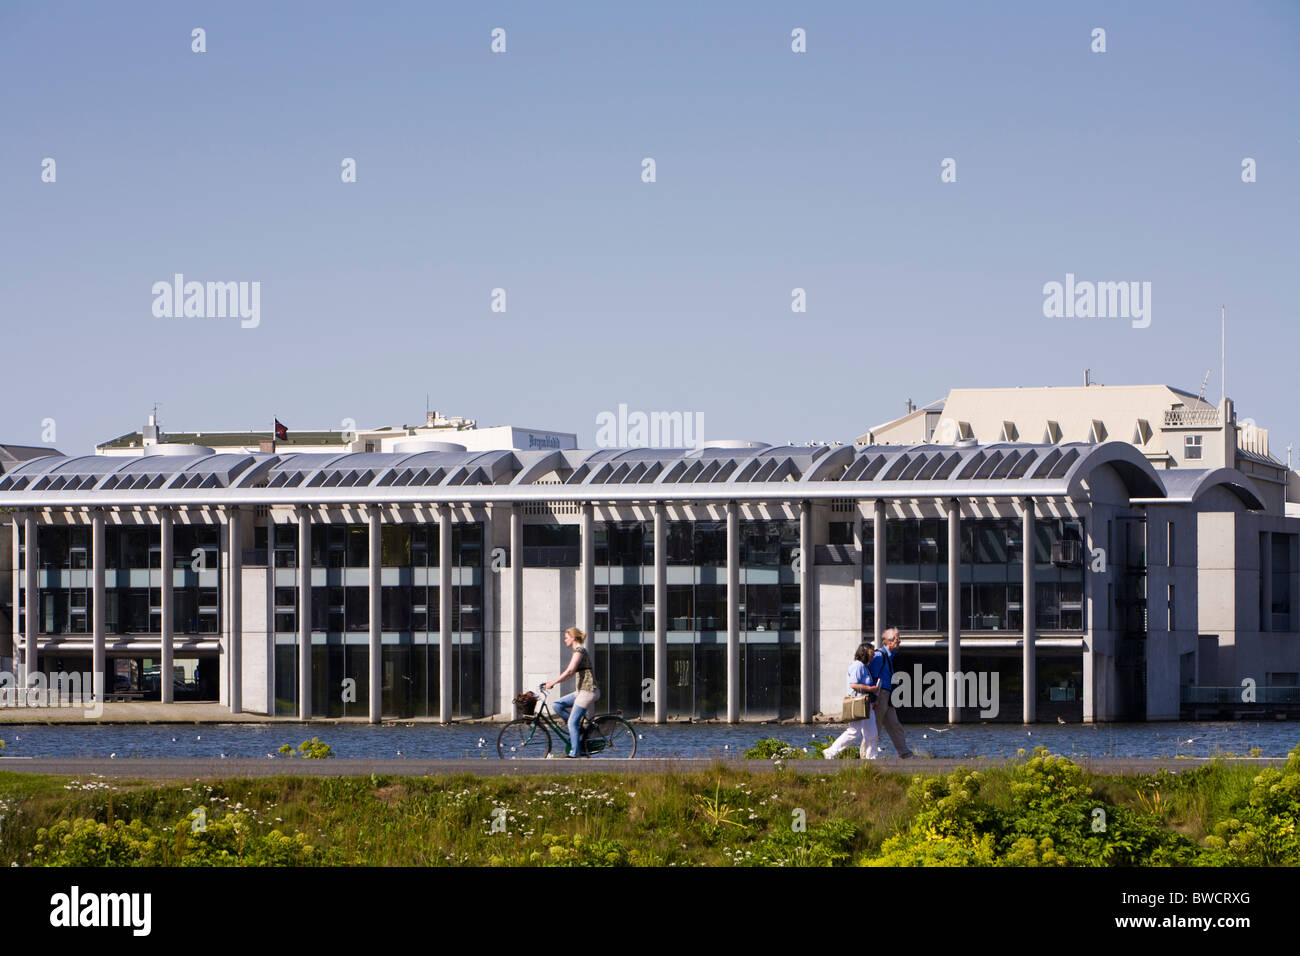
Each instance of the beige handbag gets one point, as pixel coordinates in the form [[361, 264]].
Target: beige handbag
[[855, 708]]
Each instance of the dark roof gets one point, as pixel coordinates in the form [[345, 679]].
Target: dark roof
[[11, 455]]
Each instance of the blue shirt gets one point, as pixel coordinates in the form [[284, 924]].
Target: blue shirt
[[857, 675], [882, 669]]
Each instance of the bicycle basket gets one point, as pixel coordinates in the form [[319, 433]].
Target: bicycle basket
[[527, 704]]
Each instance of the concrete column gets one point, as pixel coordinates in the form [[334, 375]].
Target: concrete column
[[587, 574], [491, 668], [1028, 605], [733, 612], [857, 562], [31, 597], [235, 564], [806, 631], [517, 597], [98, 613], [1265, 580], [1091, 588], [878, 577], [954, 607], [304, 612], [444, 614], [661, 613], [16, 581], [375, 516], [166, 584]]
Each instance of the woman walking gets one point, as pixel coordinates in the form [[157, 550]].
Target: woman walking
[[863, 732], [573, 706]]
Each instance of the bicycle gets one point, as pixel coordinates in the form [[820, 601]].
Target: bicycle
[[608, 735]]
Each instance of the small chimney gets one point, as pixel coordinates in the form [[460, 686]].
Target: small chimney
[[151, 432], [266, 446], [910, 407]]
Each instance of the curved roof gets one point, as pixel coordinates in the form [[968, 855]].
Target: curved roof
[[789, 471], [1186, 485]]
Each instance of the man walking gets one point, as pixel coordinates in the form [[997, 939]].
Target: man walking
[[883, 670]]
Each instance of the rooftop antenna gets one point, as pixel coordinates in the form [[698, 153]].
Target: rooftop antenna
[[1204, 382]]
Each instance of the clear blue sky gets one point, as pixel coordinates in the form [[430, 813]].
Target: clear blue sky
[[522, 171]]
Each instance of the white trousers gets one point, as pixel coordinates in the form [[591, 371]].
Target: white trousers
[[863, 733]]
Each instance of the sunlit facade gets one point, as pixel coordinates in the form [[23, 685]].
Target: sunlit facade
[[729, 583]]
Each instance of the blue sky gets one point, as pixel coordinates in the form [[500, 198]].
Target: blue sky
[[522, 171]]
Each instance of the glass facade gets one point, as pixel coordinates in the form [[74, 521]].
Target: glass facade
[[991, 585], [132, 586], [696, 617], [410, 618], [623, 646]]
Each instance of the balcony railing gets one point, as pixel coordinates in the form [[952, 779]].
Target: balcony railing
[[1192, 417]]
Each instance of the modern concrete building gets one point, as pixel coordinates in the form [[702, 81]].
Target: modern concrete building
[[731, 582], [436, 427], [1172, 428], [10, 456]]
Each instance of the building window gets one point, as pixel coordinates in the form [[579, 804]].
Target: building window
[[1282, 545], [1192, 447]]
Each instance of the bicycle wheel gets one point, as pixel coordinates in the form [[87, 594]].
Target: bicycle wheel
[[523, 738], [611, 736]]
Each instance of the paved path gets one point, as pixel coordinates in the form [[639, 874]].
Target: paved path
[[189, 768]]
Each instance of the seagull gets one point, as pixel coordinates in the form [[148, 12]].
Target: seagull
[[173, 740], [1060, 720], [1190, 739], [112, 756], [941, 730]]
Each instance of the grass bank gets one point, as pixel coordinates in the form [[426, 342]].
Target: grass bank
[[1044, 810]]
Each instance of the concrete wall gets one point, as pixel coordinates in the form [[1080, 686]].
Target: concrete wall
[[550, 607], [258, 642], [838, 632]]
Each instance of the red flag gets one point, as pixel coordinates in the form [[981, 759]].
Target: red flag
[[281, 433]]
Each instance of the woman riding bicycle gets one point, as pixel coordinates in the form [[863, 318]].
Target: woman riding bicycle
[[575, 705]]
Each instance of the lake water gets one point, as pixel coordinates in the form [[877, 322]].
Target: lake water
[[1273, 738]]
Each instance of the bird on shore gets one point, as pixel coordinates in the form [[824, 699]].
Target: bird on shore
[[1060, 720]]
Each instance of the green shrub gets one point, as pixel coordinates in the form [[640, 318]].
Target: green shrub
[[1054, 819], [312, 749]]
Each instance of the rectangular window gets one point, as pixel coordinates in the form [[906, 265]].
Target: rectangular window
[[552, 545], [1169, 547], [1192, 447], [1282, 545]]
